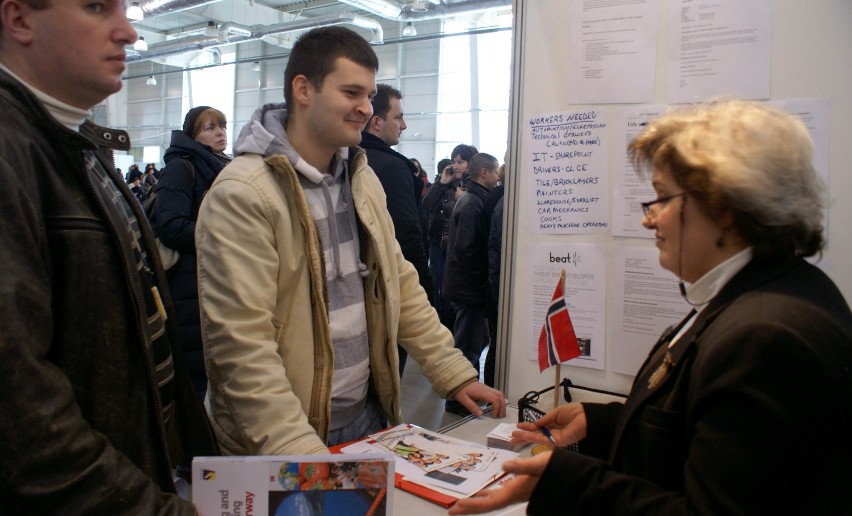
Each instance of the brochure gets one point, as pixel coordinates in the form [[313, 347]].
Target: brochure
[[453, 468], [304, 484]]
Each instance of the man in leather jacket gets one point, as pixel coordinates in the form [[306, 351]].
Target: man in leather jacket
[[466, 273], [97, 415]]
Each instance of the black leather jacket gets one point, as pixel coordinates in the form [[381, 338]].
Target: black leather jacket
[[78, 428], [466, 272]]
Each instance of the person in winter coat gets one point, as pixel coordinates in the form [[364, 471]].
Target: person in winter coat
[[97, 414], [304, 290], [193, 160]]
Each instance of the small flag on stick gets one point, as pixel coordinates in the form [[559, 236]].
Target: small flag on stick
[[557, 342]]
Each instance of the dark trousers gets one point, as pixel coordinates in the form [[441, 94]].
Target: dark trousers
[[471, 331], [445, 310]]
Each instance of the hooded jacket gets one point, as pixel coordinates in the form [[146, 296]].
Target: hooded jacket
[[264, 302]]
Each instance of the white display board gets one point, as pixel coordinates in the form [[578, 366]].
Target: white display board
[[570, 156]]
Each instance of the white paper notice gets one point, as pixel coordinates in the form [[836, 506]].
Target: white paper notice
[[568, 183], [718, 48], [614, 49], [648, 302], [629, 191], [585, 296]]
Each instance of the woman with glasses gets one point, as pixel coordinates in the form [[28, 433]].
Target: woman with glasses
[[745, 407]]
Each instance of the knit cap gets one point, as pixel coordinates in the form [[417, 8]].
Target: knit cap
[[191, 116]]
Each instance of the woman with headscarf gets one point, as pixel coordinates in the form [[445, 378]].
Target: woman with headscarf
[[745, 407], [193, 160]]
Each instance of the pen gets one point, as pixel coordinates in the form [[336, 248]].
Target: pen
[[547, 434]]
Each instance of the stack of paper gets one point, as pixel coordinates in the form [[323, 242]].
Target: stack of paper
[[501, 437], [452, 467]]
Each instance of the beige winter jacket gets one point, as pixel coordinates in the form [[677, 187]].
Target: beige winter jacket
[[264, 317]]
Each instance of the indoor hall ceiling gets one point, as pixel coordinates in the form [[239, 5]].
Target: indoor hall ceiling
[[173, 27]]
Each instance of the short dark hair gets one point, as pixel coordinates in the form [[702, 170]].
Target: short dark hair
[[381, 101], [315, 51], [480, 161], [444, 163], [464, 151]]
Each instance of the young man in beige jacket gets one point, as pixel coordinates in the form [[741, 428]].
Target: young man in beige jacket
[[303, 289]]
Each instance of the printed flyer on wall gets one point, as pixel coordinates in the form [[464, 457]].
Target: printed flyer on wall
[[303, 484]]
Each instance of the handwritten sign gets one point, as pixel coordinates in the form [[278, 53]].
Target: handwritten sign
[[568, 191]]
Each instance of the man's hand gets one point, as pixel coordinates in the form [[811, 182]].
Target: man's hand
[[476, 391], [514, 491]]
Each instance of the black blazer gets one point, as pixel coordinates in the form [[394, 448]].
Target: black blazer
[[753, 418]]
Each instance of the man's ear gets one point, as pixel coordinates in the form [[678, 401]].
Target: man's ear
[[15, 17], [302, 90], [375, 124]]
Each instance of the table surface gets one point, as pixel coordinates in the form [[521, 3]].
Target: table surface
[[472, 429]]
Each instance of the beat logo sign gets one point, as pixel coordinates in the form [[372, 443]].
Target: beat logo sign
[[570, 258]]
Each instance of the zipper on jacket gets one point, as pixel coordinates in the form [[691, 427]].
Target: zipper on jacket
[[149, 360]]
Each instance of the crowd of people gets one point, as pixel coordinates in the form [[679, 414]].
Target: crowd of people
[[312, 263]]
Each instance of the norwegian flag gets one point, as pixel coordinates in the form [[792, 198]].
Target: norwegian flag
[[557, 342]]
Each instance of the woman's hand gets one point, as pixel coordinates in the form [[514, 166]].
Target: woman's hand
[[447, 175], [567, 423], [515, 490]]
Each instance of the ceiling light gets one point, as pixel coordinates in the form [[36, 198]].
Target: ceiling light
[[140, 44], [380, 7], [134, 12], [409, 30], [152, 81], [418, 6], [255, 66], [211, 31]]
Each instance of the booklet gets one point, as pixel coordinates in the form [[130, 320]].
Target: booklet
[[446, 466], [302, 484]]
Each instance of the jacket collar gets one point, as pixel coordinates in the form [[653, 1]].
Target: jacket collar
[[476, 188], [93, 134], [373, 142]]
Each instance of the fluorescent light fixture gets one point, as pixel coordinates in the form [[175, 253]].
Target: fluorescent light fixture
[[152, 81], [409, 30], [383, 8], [134, 12], [140, 44], [418, 6], [212, 30]]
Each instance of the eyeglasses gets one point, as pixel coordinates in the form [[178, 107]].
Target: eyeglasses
[[646, 206]]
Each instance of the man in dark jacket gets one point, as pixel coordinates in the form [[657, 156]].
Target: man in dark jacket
[[466, 273], [398, 176], [97, 414]]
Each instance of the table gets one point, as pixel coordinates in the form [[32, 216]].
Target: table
[[470, 428]]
